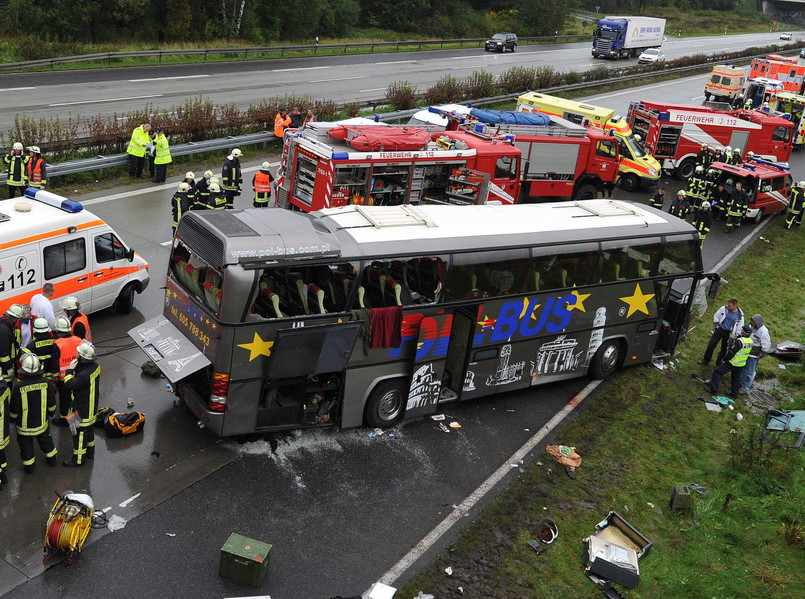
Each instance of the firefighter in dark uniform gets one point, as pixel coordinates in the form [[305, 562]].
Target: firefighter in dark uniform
[[83, 381], [657, 200], [796, 198], [190, 179], [217, 200], [180, 203], [9, 346], [5, 394], [261, 184], [231, 177], [704, 157], [33, 399], [703, 221], [202, 192], [78, 320], [718, 155], [729, 157], [696, 189], [680, 206], [719, 200], [44, 346], [16, 165], [736, 208]]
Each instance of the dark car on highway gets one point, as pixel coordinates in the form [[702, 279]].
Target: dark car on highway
[[500, 42]]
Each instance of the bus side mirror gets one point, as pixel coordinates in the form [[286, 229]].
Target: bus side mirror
[[130, 255], [713, 291]]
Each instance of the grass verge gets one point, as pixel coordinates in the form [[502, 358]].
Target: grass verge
[[644, 433]]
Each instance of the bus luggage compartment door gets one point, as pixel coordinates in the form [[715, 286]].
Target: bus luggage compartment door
[[307, 351], [168, 348], [431, 354]]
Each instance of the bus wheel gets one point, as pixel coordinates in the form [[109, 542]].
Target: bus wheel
[[630, 182], [606, 360], [586, 192], [386, 404], [125, 301]]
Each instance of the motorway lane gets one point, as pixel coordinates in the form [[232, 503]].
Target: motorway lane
[[340, 78], [310, 494]]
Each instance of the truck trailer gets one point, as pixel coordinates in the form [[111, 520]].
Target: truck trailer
[[626, 37]]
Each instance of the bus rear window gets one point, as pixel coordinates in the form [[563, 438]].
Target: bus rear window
[[196, 277]]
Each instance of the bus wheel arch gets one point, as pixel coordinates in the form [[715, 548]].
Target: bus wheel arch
[[607, 359], [386, 403]]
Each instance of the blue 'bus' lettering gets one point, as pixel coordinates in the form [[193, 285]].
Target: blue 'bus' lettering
[[512, 318]]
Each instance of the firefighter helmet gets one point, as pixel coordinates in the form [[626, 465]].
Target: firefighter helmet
[[711, 171], [63, 325], [700, 169], [30, 363], [720, 149], [236, 153], [190, 175], [681, 192], [705, 204], [750, 155], [183, 187], [215, 180], [14, 311], [70, 303], [736, 150], [801, 185], [207, 174], [728, 149], [214, 188], [266, 165], [17, 146], [34, 149], [705, 147], [86, 350], [41, 325]]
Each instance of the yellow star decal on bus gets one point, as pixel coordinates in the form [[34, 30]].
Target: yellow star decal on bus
[[257, 347], [637, 301], [525, 308], [580, 297]]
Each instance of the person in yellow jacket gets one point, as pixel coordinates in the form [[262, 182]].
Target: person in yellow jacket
[[162, 156], [138, 145], [16, 163], [281, 123]]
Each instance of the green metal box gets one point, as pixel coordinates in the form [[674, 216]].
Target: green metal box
[[244, 559]]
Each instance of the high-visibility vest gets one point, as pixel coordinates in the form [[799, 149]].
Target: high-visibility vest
[[139, 140], [740, 357], [163, 152], [36, 172], [262, 187], [82, 318], [309, 119], [68, 346], [280, 124]]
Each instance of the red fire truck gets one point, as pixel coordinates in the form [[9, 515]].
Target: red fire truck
[[766, 184], [321, 167], [783, 68], [674, 133]]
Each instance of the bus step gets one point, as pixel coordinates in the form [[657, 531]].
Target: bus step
[[660, 354], [447, 394]]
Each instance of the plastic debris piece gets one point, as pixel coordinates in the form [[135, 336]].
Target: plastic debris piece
[[448, 570], [540, 464], [528, 430], [461, 590], [169, 387], [116, 523], [130, 403], [739, 416], [381, 591], [171, 534], [455, 424], [379, 432], [437, 417], [391, 435], [156, 453], [781, 366], [371, 434], [422, 595], [651, 505], [443, 427], [512, 411]]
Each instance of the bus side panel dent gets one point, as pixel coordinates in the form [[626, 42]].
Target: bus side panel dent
[[359, 385]]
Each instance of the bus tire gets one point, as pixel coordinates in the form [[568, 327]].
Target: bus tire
[[685, 168], [630, 182], [588, 191], [386, 403], [606, 360], [125, 301]]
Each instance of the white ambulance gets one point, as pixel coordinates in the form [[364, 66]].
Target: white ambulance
[[46, 238]]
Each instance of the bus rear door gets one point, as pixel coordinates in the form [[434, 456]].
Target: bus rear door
[[429, 366]]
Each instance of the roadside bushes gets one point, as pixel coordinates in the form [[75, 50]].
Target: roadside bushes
[[447, 89], [401, 95]]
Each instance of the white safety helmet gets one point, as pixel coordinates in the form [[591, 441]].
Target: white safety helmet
[[705, 204], [14, 311], [190, 175], [236, 153], [183, 187], [30, 363], [728, 149], [86, 350], [681, 192], [207, 174], [711, 171], [34, 149], [750, 155], [800, 184], [215, 180], [63, 325], [736, 150], [70, 303], [214, 187], [720, 149], [700, 169], [17, 146], [41, 325], [266, 165]]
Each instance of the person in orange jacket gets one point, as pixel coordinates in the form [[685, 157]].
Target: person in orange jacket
[[281, 123]]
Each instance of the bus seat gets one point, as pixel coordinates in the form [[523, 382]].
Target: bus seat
[[399, 272], [181, 272], [555, 277], [217, 300], [632, 269], [375, 282], [192, 280], [272, 302], [393, 293], [296, 291], [531, 282], [610, 270], [211, 296], [315, 297]]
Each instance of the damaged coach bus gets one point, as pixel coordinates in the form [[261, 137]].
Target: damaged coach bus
[[276, 319]]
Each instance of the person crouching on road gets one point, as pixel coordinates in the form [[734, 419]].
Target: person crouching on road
[[33, 400], [82, 381], [261, 184], [734, 363]]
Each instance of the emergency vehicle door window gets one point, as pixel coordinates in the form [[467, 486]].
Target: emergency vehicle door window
[[781, 134], [486, 274], [506, 168], [778, 184], [64, 258], [714, 79], [679, 257], [108, 248], [606, 149]]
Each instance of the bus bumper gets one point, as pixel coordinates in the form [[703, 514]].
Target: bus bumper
[[212, 421]]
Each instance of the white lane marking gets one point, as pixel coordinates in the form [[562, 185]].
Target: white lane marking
[[15, 89], [104, 100], [298, 69], [697, 98], [166, 243], [167, 78], [129, 500], [336, 79], [631, 91], [464, 507], [395, 62], [376, 89]]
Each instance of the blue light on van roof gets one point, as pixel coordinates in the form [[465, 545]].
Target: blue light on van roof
[[52, 199]]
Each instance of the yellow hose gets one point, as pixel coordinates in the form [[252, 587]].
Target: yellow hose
[[68, 532]]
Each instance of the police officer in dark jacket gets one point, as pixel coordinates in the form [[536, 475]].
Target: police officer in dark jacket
[[83, 381], [33, 400]]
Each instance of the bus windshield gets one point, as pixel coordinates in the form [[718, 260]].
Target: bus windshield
[[364, 315]]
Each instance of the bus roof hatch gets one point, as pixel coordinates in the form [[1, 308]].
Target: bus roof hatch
[[607, 208], [395, 216]]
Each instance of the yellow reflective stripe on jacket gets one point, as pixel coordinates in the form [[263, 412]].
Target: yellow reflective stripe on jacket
[[163, 153], [23, 428]]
